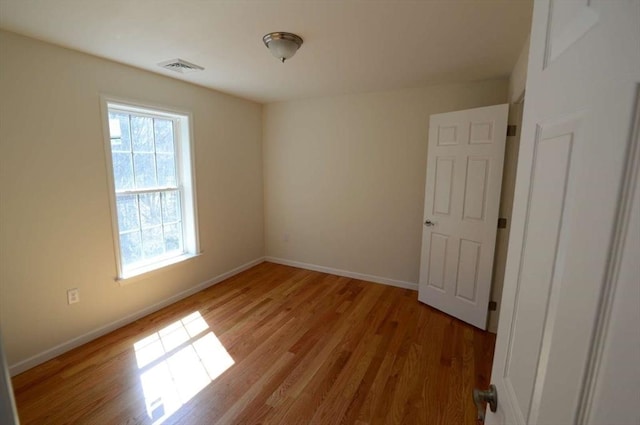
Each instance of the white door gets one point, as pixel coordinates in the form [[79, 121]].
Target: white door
[[572, 228], [462, 196]]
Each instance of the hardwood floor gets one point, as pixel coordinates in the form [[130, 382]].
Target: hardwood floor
[[272, 345]]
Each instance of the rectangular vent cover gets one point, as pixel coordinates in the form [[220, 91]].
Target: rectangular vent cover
[[181, 66]]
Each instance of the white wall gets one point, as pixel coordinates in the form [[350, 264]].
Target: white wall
[[344, 176], [518, 78], [54, 204]]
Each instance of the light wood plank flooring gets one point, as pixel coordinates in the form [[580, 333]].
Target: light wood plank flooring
[[272, 345]]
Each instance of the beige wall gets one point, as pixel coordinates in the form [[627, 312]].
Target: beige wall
[[54, 205], [344, 176]]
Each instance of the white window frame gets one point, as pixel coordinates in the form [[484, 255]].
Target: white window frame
[[183, 142]]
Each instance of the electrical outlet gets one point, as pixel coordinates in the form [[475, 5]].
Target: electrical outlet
[[285, 237], [73, 296]]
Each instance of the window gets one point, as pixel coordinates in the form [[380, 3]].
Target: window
[[153, 202]]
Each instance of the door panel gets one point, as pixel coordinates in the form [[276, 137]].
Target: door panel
[[569, 20], [437, 261], [464, 177], [447, 135], [481, 133], [468, 263], [443, 185], [543, 226], [475, 190]]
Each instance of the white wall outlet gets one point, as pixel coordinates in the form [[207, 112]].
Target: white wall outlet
[[285, 237], [73, 296]]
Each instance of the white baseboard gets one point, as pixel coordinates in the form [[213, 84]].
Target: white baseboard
[[345, 273], [103, 330]]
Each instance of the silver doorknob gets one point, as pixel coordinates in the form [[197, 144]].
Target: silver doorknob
[[488, 396], [429, 223]]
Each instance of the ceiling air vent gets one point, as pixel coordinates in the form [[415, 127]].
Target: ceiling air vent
[[181, 66]]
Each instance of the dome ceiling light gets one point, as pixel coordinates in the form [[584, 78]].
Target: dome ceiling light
[[282, 45]]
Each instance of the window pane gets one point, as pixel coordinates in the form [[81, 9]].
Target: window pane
[[152, 242], [142, 134], [173, 237], [150, 212], [122, 144], [164, 135], [171, 207], [166, 170], [122, 171], [145, 167], [128, 212], [147, 164], [130, 248]]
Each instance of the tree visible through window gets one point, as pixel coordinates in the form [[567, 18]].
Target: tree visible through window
[[149, 183]]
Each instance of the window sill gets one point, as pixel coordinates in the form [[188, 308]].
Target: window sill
[[144, 272]]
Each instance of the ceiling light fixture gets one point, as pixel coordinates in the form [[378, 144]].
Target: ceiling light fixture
[[282, 45]]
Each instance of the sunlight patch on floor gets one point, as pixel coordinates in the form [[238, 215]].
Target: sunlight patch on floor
[[177, 362]]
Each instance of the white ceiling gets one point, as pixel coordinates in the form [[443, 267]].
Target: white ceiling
[[349, 46]]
